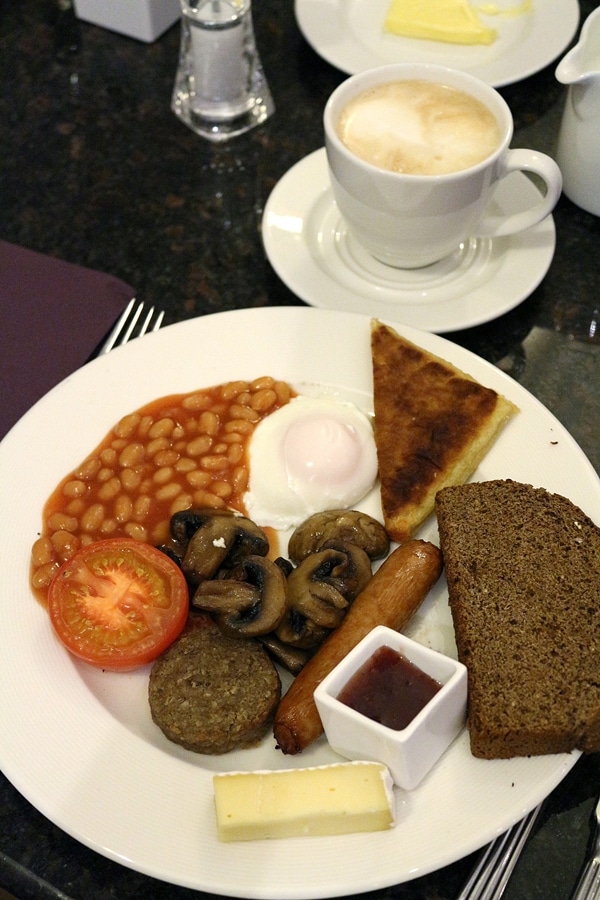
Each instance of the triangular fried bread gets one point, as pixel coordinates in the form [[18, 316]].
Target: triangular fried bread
[[433, 425]]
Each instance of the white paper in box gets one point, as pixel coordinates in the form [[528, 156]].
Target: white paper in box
[[142, 19]]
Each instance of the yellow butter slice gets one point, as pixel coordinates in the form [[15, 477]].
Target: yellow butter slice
[[508, 12], [452, 21], [335, 799]]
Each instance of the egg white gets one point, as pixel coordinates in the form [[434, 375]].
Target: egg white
[[314, 454]]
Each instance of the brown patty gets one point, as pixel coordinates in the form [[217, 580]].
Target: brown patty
[[212, 694]]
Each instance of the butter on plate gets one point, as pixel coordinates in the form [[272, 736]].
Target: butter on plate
[[335, 799], [452, 21]]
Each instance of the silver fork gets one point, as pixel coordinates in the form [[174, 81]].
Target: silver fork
[[132, 324], [492, 872], [588, 887]]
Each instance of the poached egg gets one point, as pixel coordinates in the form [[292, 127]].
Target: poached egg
[[311, 455]]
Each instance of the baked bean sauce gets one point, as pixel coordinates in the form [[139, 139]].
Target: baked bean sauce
[[389, 689], [175, 453]]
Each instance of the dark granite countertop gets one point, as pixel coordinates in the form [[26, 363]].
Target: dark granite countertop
[[96, 170]]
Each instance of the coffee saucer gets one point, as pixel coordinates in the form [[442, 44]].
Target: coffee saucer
[[308, 245]]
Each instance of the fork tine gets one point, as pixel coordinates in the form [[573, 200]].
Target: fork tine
[[490, 876], [131, 325], [116, 331], [125, 326], [145, 326]]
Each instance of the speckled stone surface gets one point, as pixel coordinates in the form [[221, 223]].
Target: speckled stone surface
[[96, 170]]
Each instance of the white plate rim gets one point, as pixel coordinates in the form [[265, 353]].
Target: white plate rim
[[553, 25], [145, 804], [521, 263]]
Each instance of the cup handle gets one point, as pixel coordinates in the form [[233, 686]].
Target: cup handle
[[549, 172]]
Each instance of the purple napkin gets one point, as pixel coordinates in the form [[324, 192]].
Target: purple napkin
[[53, 315]]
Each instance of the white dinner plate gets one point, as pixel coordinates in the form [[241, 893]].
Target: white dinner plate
[[349, 35], [308, 244], [79, 743]]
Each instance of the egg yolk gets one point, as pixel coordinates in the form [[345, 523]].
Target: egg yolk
[[321, 450]]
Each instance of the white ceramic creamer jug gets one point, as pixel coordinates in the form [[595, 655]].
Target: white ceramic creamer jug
[[578, 151]]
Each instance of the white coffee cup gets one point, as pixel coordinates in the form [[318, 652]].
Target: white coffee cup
[[408, 220]]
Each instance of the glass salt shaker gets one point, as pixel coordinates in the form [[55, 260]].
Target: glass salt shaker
[[220, 89]]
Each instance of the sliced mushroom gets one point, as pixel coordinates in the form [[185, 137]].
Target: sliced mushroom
[[221, 541], [250, 603], [292, 658], [339, 524], [295, 630], [320, 590], [182, 526], [285, 565], [185, 523]]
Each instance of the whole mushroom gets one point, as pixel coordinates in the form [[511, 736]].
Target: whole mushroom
[[348, 525]]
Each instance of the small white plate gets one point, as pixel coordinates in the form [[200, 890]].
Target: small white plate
[[349, 35], [307, 243]]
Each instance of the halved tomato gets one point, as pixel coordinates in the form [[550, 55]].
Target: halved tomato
[[118, 604]]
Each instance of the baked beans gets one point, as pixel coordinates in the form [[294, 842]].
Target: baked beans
[[178, 452]]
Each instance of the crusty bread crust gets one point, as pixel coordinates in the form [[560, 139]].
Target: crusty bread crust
[[523, 573], [433, 425]]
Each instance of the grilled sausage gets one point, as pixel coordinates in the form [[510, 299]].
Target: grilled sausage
[[390, 598]]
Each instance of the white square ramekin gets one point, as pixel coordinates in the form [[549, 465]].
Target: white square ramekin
[[408, 753]]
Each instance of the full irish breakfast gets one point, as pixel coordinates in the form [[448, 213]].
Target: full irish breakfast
[[219, 537]]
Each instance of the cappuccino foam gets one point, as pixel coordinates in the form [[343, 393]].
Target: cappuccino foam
[[419, 128]]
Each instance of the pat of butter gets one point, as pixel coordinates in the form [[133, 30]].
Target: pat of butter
[[509, 12], [452, 21], [334, 799]]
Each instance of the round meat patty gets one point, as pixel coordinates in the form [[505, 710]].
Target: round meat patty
[[212, 693]]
